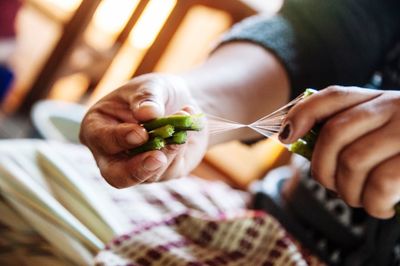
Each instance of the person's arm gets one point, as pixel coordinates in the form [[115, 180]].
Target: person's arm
[[240, 82], [321, 43]]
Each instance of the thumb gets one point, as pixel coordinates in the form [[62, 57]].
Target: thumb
[[159, 96], [149, 101], [149, 109]]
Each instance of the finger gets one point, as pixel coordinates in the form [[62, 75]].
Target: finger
[[177, 166], [305, 114], [103, 134], [382, 190], [338, 132], [171, 152], [357, 160], [123, 172]]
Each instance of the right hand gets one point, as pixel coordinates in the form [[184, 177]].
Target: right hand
[[112, 126]]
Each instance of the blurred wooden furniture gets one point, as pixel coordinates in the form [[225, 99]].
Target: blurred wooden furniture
[[73, 29]]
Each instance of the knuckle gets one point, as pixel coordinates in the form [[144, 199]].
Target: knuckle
[[137, 174], [380, 185], [336, 91], [112, 175], [114, 182], [331, 131], [350, 161]]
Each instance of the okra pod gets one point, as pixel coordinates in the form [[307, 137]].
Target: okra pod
[[302, 148], [179, 137], [156, 143], [179, 122], [162, 132]]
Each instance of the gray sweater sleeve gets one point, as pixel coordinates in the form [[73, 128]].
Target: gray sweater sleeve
[[325, 42]]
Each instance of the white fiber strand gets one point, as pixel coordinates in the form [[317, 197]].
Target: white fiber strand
[[267, 126]]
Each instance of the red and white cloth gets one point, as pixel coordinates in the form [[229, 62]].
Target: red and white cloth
[[195, 239], [188, 221]]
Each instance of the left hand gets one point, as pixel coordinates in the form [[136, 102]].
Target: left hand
[[357, 153]]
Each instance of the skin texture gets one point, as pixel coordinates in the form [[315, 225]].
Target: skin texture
[[357, 151], [233, 76]]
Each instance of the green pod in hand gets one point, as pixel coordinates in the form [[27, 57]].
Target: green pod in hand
[[162, 132], [168, 130], [156, 143], [179, 122], [179, 137]]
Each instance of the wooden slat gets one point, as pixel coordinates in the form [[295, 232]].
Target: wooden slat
[[236, 9], [161, 42], [123, 36], [71, 33]]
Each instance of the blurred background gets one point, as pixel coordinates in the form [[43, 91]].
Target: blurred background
[[57, 57]]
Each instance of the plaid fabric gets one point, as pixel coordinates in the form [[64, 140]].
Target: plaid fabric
[[188, 221], [195, 239]]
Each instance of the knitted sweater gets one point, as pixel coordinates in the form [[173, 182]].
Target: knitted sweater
[[326, 42]]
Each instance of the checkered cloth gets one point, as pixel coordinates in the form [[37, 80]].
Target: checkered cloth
[[195, 239], [188, 221]]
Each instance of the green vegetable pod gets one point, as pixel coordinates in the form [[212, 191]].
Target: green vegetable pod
[[156, 143], [168, 130], [162, 132], [179, 137], [179, 122]]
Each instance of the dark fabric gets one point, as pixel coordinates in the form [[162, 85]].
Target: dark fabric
[[325, 225], [6, 78], [326, 42]]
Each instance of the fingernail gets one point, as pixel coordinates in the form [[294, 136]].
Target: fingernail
[[149, 110], [285, 132], [135, 137], [190, 109], [148, 104], [151, 164]]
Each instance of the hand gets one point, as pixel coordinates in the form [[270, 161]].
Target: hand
[[112, 126], [357, 153]]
